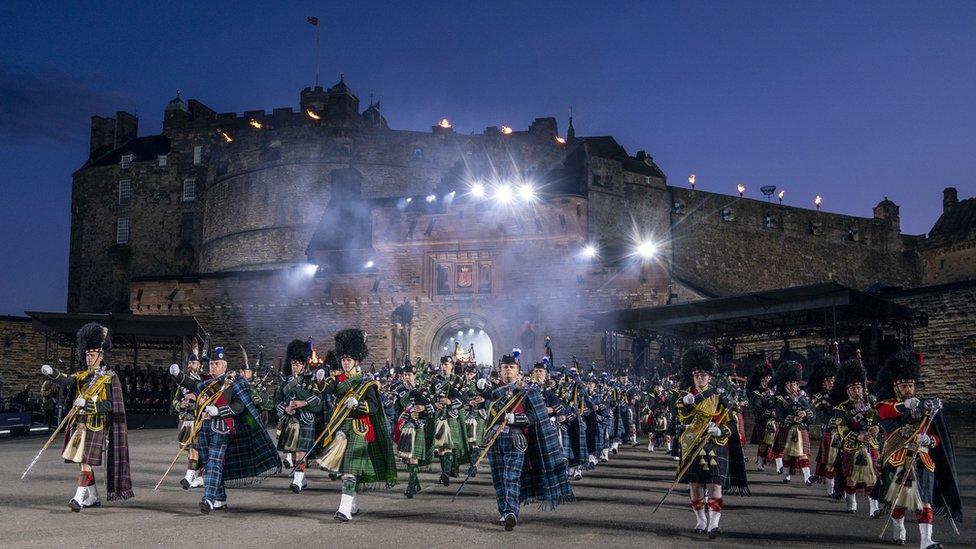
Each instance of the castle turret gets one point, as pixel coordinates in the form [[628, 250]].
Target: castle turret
[[888, 211], [102, 136], [176, 114], [950, 198], [343, 105]]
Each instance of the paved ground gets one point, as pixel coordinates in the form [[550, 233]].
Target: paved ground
[[614, 509]]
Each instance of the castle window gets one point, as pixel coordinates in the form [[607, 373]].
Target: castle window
[[122, 230], [197, 155], [597, 181], [647, 179], [728, 215], [189, 190], [853, 234], [186, 227], [418, 153], [127, 160], [125, 192], [769, 222], [163, 160], [678, 207]]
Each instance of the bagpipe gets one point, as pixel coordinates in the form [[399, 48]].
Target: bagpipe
[[338, 416]]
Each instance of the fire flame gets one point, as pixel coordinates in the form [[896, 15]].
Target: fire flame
[[506, 130], [560, 140], [444, 123], [691, 179], [314, 359], [818, 200], [781, 193], [741, 188], [311, 114], [254, 123], [226, 137]]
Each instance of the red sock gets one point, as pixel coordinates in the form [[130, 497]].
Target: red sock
[[924, 516], [300, 467], [86, 478], [715, 505], [898, 513], [698, 504]]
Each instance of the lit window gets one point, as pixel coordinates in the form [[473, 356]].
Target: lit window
[[125, 192], [127, 160], [418, 153], [163, 160], [197, 155], [122, 230], [189, 190]]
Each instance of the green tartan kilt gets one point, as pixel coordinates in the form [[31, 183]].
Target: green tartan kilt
[[479, 432], [460, 444], [421, 448], [356, 460]]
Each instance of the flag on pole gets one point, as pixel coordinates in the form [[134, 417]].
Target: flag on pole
[[312, 20]]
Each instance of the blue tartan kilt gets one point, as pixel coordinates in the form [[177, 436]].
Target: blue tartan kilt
[[710, 466]]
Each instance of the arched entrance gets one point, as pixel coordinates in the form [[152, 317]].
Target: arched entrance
[[465, 330]]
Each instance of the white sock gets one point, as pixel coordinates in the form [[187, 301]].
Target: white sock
[[851, 502], [81, 494], [701, 520], [190, 475], [299, 478], [713, 518], [787, 478], [219, 504], [830, 486], [92, 494], [806, 474], [898, 529], [760, 461], [345, 505], [872, 506], [925, 535], [779, 463]]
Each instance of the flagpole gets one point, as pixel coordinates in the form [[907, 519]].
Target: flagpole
[[316, 53]]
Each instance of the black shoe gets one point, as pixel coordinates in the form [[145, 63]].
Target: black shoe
[[409, 493], [296, 489], [185, 484], [333, 476], [510, 522], [341, 517], [876, 514], [779, 471], [445, 479], [713, 533], [699, 530], [935, 546], [206, 507], [898, 542], [786, 481], [808, 482], [75, 506]]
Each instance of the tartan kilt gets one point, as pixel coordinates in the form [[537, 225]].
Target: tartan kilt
[[420, 448], [459, 445], [356, 460], [306, 435], [95, 442], [824, 468], [848, 461], [782, 438], [759, 431], [710, 466], [183, 434]]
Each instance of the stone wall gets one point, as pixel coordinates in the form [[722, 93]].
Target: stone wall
[[21, 354], [949, 340], [762, 245]]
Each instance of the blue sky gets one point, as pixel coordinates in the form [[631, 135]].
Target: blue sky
[[854, 101]]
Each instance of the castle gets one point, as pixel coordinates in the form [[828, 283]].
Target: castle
[[270, 226]]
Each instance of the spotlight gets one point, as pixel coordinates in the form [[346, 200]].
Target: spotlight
[[478, 190], [309, 269], [481, 332], [589, 251], [409, 199], [646, 249], [431, 198], [369, 264], [470, 330], [526, 192], [504, 194], [460, 333]]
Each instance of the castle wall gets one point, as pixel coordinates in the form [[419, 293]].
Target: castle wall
[[801, 247]]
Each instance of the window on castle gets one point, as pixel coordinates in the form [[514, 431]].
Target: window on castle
[[678, 207], [197, 155], [189, 190], [125, 192], [853, 234], [418, 153], [443, 279], [163, 160], [186, 227], [484, 278], [122, 230], [127, 160], [728, 215], [597, 181], [769, 222]]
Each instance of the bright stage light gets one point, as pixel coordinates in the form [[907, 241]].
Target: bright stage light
[[431, 198], [369, 264], [589, 251], [504, 194], [646, 249], [526, 192], [478, 190], [309, 269]]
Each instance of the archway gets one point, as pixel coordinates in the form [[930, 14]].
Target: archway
[[465, 330]]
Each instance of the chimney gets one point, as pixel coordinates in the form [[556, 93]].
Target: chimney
[[950, 197], [126, 128], [102, 136]]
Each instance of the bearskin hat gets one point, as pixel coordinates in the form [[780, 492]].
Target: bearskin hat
[[407, 369], [297, 350], [851, 372], [903, 365], [93, 336], [331, 360], [824, 368], [758, 373], [698, 358], [351, 343], [787, 371], [508, 359]]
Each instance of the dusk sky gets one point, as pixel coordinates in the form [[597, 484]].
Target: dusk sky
[[854, 101]]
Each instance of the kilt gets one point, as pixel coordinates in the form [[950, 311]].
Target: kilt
[[847, 462], [419, 450], [183, 434], [459, 445], [825, 469], [306, 435], [356, 460], [95, 442], [710, 466], [760, 430]]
